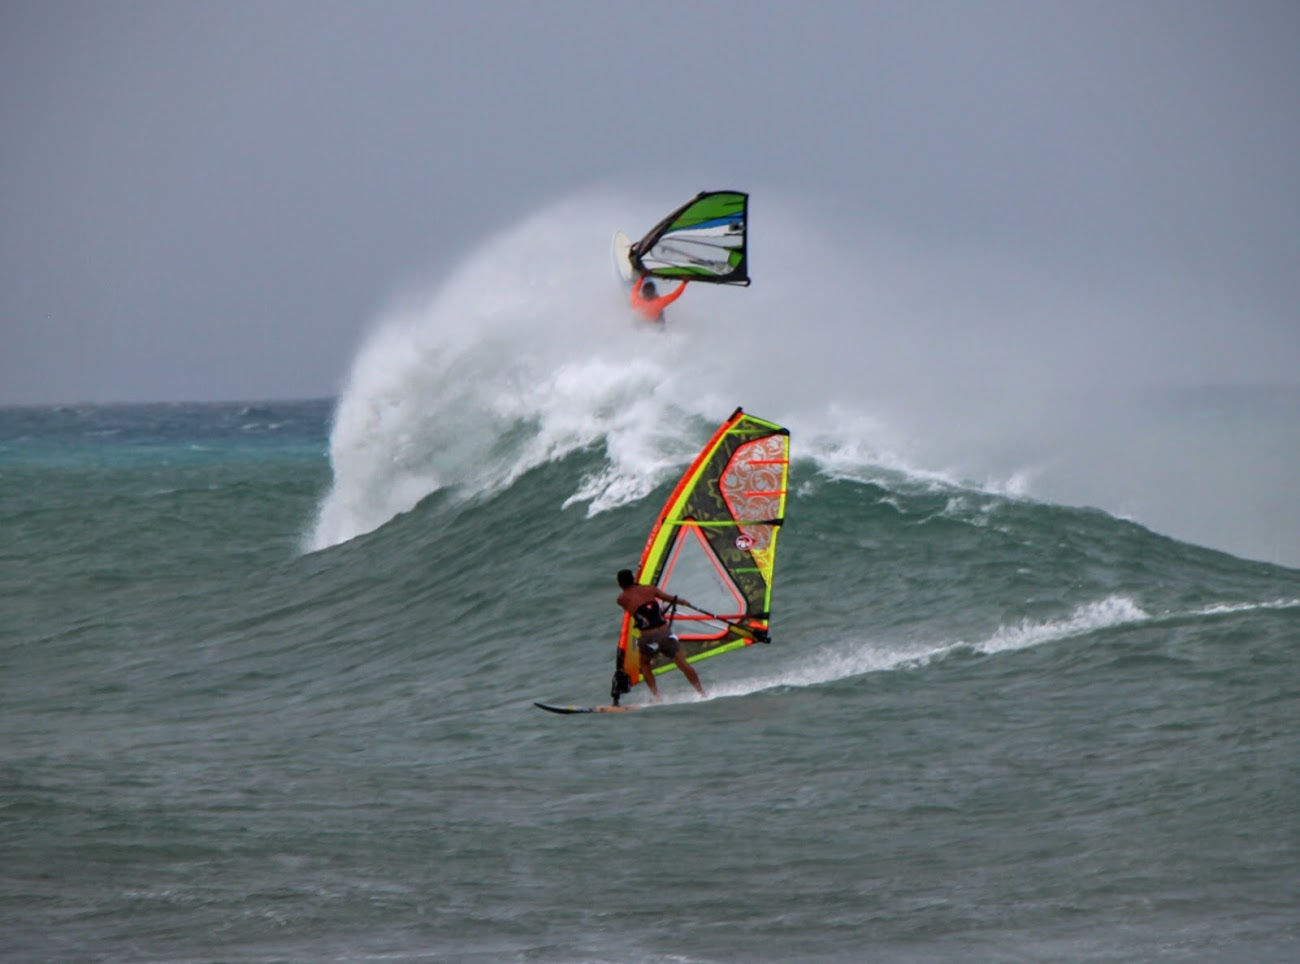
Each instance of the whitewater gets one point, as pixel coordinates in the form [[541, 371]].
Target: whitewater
[[518, 358], [267, 668]]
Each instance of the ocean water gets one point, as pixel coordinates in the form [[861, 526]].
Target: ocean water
[[988, 727], [267, 669]]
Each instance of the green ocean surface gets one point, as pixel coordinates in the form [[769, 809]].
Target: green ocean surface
[[988, 727]]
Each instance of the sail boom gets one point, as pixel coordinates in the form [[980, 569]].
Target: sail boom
[[716, 651]]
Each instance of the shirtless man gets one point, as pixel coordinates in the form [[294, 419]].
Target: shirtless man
[[656, 638]]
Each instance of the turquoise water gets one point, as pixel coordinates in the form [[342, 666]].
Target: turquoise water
[[988, 726]]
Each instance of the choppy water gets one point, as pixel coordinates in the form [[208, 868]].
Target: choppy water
[[267, 670], [988, 727]]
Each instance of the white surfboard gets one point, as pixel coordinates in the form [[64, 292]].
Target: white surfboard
[[622, 258]]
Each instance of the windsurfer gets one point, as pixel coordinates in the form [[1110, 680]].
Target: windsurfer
[[648, 302], [656, 638]]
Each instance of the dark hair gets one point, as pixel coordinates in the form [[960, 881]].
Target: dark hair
[[648, 288], [625, 578]]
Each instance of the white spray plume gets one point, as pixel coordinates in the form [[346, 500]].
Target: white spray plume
[[958, 368]]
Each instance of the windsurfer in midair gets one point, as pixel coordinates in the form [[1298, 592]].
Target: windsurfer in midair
[[648, 302], [656, 637]]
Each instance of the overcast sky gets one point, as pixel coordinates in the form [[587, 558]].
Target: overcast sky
[[214, 200]]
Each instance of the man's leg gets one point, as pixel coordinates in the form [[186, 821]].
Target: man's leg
[[689, 672], [647, 673]]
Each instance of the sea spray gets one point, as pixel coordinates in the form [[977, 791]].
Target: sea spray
[[527, 352]]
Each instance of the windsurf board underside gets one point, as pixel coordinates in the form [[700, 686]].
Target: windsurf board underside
[[622, 259]]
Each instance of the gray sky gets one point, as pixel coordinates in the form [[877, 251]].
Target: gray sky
[[214, 200]]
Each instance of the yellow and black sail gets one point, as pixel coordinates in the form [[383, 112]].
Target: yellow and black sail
[[714, 543]]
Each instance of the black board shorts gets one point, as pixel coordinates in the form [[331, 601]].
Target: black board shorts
[[658, 642]]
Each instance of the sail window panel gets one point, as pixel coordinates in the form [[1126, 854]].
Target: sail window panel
[[695, 573]]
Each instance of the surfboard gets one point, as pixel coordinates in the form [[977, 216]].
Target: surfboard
[[584, 709], [622, 260]]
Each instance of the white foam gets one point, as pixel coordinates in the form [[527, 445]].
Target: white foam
[[844, 660], [528, 353], [1103, 614], [1223, 609], [513, 361]]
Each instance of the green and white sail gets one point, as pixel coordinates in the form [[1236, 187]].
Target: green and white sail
[[703, 240]]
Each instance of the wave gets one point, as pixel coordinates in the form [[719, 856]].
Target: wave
[[527, 353], [516, 361]]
